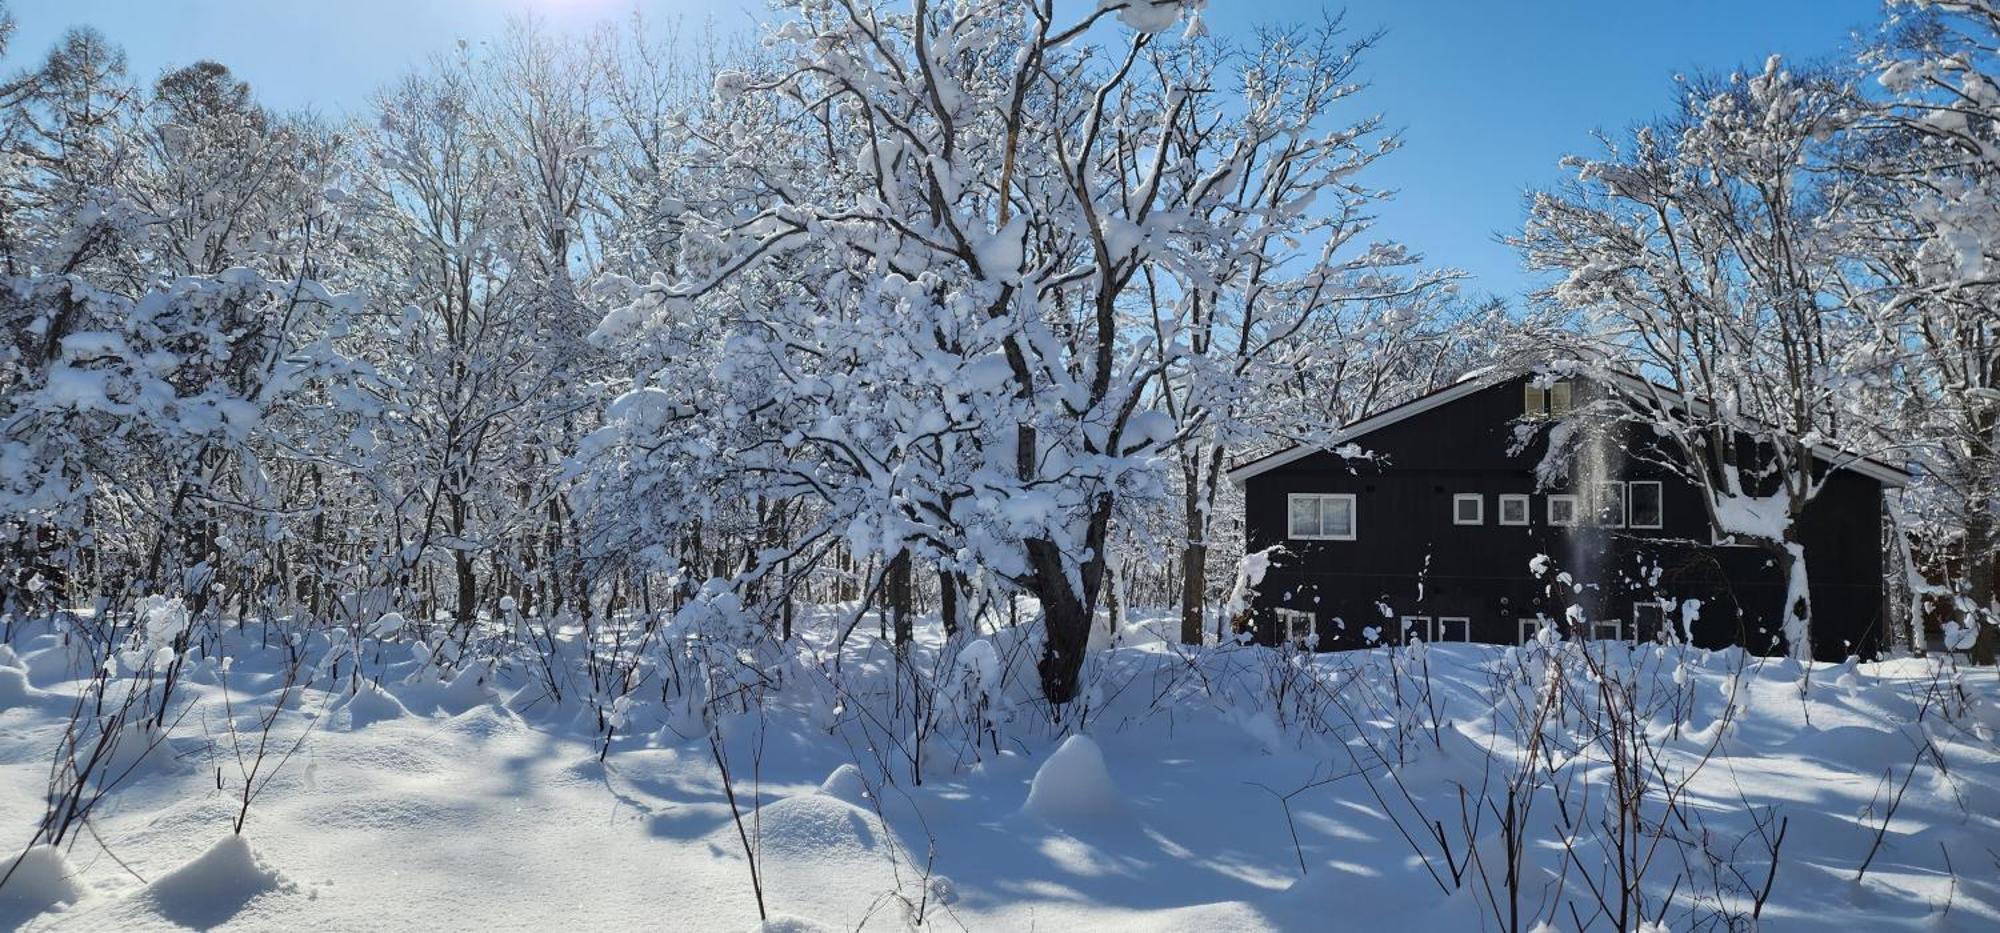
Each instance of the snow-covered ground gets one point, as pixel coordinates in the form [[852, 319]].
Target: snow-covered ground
[[1226, 789]]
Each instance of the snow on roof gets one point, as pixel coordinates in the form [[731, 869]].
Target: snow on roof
[[1487, 377]]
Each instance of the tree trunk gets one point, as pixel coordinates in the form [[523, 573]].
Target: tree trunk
[[1979, 583], [1797, 614], [1066, 617], [1194, 583], [901, 618], [948, 601]]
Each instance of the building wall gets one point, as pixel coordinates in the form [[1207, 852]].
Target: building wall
[[1410, 559]]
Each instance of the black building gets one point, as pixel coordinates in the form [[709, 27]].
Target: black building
[[1435, 526]]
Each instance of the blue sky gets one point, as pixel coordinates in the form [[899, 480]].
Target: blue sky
[[1488, 93]]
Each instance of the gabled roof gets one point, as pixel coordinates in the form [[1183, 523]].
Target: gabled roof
[[1884, 473]]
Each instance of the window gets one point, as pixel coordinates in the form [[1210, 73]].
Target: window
[[1649, 621], [1645, 502], [1532, 628], [1468, 508], [1451, 628], [1296, 626], [1611, 504], [1317, 517], [1514, 510], [1542, 402], [1559, 399], [1607, 630], [1419, 626], [1562, 510]]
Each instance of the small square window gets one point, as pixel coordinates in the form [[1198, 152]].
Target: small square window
[[1607, 630], [1297, 627], [1562, 510], [1514, 510], [1531, 629], [1451, 628], [1468, 508], [1645, 501], [1415, 627]]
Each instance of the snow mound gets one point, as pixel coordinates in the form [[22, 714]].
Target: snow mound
[[42, 881], [466, 691], [847, 785], [815, 827], [215, 886], [1073, 786], [15, 689], [371, 704]]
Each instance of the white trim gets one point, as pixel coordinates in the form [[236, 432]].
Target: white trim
[[1880, 472], [1527, 503], [1478, 499], [1437, 634], [1527, 629], [1291, 617], [1575, 507], [1661, 498], [1617, 629], [1534, 400], [1392, 415], [1353, 516], [1420, 624]]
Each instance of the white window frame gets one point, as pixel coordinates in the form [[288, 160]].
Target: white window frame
[[1597, 503], [1660, 491], [1617, 629], [1551, 401], [1421, 625], [1575, 508], [1527, 629], [1288, 618], [1437, 629], [1534, 400], [1353, 516], [1527, 504], [1477, 498]]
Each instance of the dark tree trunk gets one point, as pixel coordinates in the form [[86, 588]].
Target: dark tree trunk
[[948, 601], [1194, 583], [1066, 618], [900, 617], [1067, 611]]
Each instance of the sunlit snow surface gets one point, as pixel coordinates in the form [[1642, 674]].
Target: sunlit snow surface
[[476, 802]]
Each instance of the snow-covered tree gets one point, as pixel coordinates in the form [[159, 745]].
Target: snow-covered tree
[[1929, 233], [1702, 256], [937, 330]]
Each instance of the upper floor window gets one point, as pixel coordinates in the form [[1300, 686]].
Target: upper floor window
[[1645, 504], [1514, 510], [1468, 508], [1320, 516], [1611, 504], [1562, 510], [1545, 401]]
